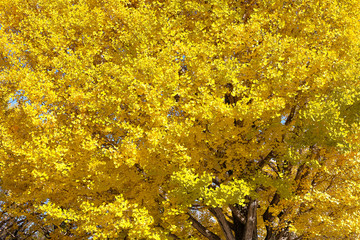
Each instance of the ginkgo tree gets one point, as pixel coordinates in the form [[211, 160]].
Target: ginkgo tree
[[181, 119]]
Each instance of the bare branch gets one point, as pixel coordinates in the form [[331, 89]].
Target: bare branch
[[203, 230], [239, 220], [251, 222], [237, 214], [223, 222]]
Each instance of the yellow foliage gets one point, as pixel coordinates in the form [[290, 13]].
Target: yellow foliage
[[131, 118]]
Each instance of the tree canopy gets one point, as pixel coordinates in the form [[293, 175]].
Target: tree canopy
[[180, 119]]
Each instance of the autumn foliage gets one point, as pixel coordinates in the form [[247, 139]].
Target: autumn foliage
[[180, 119]]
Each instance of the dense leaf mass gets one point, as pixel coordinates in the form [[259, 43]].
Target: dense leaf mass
[[176, 119]]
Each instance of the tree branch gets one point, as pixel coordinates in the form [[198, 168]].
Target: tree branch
[[217, 212], [264, 160], [291, 116], [203, 230], [239, 221], [250, 232], [237, 214], [269, 217]]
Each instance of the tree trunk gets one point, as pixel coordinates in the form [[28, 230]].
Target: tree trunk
[[250, 231], [241, 226]]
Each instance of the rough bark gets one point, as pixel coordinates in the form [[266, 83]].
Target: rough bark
[[239, 221], [217, 212], [205, 232], [242, 224], [250, 231]]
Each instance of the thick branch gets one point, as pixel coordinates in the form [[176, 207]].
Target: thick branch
[[250, 232], [205, 232], [223, 222], [239, 221], [268, 217], [237, 214]]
